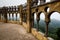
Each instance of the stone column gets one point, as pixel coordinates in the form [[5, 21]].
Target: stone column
[[29, 16], [1, 16], [21, 15], [5, 18], [16, 16], [38, 18], [5, 15], [47, 21], [32, 20]]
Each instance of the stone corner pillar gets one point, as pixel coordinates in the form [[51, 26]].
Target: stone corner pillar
[[21, 15], [29, 16]]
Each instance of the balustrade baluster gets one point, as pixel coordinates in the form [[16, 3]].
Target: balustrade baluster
[[2, 16], [46, 30], [38, 19], [9, 17]]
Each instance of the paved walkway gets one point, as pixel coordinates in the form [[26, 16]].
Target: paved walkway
[[10, 31]]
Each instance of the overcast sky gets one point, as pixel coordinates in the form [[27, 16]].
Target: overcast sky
[[11, 2]]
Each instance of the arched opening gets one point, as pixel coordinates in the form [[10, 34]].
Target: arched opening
[[42, 24], [38, 2], [54, 25], [18, 16], [47, 9], [11, 16], [7, 16], [14, 17], [35, 21], [25, 17], [2, 16]]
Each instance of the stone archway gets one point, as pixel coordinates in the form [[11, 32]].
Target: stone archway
[[54, 24], [40, 22]]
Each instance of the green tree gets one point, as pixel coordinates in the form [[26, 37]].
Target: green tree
[[58, 34]]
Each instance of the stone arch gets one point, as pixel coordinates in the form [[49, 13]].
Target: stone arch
[[53, 25], [9, 15], [18, 16], [32, 19], [52, 13], [32, 15], [14, 17], [35, 16], [41, 14]]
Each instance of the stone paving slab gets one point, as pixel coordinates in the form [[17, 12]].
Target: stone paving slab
[[10, 31]]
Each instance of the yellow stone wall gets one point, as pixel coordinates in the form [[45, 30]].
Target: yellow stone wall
[[38, 35]]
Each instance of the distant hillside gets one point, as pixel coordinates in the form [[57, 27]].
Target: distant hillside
[[52, 25]]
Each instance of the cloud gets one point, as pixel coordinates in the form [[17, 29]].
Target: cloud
[[11, 2]]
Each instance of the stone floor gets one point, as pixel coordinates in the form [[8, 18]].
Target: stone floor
[[10, 31]]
